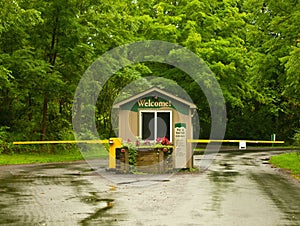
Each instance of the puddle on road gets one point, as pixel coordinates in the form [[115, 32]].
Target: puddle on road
[[222, 178], [101, 215], [284, 194], [226, 165], [143, 182], [10, 185], [11, 195], [22, 189], [221, 182]]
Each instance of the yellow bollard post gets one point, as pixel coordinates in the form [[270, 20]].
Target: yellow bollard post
[[113, 144]]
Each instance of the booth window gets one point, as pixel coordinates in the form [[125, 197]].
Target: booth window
[[155, 124]]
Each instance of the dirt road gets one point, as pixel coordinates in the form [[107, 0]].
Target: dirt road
[[238, 189]]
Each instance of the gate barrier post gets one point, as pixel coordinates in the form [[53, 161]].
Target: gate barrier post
[[113, 144]]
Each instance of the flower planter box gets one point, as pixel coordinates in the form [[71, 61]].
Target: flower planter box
[[146, 160]]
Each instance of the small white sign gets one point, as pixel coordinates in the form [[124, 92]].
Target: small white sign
[[242, 144], [180, 147]]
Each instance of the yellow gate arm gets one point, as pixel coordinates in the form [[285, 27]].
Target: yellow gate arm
[[63, 142], [236, 141]]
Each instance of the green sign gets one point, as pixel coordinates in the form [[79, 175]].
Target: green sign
[[156, 102], [153, 103], [180, 124]]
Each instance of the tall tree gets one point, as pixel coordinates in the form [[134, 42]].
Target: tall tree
[[273, 34], [250, 45]]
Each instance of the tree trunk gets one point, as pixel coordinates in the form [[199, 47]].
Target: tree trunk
[[30, 114], [44, 120], [52, 58], [78, 115]]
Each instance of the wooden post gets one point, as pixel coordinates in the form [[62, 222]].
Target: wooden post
[[161, 160], [126, 161]]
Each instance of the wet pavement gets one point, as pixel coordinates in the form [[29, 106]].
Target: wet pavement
[[240, 188]]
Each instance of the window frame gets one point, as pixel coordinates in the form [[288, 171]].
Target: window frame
[[155, 122]]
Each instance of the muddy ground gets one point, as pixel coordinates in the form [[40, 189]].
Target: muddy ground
[[239, 188]]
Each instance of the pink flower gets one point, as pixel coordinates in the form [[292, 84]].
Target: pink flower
[[137, 143], [147, 142]]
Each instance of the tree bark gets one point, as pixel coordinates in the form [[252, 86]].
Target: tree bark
[[52, 58], [30, 114], [44, 120]]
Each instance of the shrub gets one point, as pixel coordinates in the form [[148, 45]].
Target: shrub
[[296, 138], [5, 145]]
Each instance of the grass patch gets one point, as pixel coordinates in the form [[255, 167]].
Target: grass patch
[[288, 161], [63, 156]]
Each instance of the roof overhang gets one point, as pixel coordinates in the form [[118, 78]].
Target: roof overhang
[[155, 92]]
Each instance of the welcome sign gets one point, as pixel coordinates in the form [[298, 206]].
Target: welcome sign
[[154, 103]]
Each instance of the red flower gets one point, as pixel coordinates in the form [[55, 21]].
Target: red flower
[[163, 141]]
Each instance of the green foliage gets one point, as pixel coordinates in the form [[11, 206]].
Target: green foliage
[[132, 155], [252, 46], [296, 138], [292, 80], [112, 91], [5, 145], [132, 158]]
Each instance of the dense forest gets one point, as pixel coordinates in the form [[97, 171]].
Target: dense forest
[[252, 46]]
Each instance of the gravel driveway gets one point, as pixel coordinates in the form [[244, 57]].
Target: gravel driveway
[[238, 189]]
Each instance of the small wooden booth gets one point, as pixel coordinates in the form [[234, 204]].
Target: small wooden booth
[[155, 114]]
